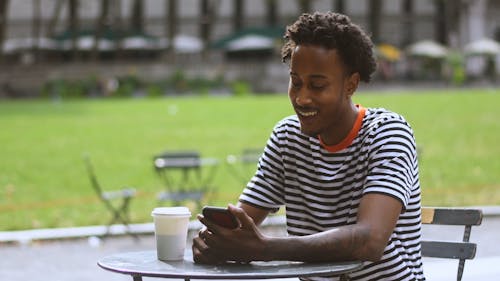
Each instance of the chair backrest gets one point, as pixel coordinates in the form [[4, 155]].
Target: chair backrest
[[243, 166], [177, 159], [93, 179], [460, 250], [251, 155]]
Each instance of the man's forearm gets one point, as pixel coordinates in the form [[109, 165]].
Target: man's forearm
[[345, 243]]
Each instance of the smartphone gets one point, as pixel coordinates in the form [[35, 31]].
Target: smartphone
[[220, 216]]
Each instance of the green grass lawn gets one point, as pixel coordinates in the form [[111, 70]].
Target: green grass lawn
[[43, 182]]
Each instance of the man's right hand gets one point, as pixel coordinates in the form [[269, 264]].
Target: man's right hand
[[215, 244], [201, 254]]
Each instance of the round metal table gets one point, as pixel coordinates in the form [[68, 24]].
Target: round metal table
[[146, 263]]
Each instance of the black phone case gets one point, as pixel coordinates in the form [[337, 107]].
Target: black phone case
[[220, 216]]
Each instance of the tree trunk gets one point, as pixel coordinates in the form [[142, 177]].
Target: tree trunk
[[115, 14], [4, 7], [237, 15], [272, 13], [453, 16], [171, 26], [207, 14], [304, 6], [441, 29], [73, 27], [339, 6], [35, 29], [375, 12], [100, 28], [407, 23], [137, 20], [55, 18]]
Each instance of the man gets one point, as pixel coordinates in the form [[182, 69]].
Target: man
[[347, 175]]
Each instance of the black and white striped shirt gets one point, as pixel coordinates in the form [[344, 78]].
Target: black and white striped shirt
[[322, 190]]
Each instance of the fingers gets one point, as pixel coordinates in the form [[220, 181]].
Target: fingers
[[209, 225], [216, 244], [198, 256], [202, 252], [245, 220]]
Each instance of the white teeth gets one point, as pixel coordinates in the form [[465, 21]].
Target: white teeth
[[308, 114]]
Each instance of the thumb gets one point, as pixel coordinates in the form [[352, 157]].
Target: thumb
[[245, 220]]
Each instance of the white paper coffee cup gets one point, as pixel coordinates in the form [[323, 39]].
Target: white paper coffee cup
[[171, 228]]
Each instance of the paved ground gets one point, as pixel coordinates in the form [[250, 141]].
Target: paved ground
[[75, 259]]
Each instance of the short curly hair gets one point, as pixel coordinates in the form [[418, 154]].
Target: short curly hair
[[333, 31]]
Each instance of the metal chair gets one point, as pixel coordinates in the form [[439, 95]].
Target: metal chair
[[185, 174], [244, 165], [461, 250], [119, 211]]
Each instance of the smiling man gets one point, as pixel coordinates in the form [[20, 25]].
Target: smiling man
[[346, 175]]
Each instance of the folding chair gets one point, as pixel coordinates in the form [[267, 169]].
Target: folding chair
[[461, 250], [184, 176], [243, 166], [119, 211]]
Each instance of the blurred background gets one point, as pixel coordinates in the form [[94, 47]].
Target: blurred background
[[126, 80], [151, 46], [122, 81]]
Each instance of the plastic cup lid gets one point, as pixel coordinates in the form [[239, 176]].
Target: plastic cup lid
[[171, 211]]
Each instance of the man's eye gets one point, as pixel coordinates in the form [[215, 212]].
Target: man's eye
[[317, 86], [296, 84]]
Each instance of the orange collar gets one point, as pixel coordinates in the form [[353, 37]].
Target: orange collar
[[350, 137]]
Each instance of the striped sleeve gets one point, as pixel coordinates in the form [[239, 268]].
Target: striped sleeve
[[266, 188], [393, 168]]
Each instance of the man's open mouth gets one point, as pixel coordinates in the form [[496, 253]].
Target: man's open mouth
[[307, 113]]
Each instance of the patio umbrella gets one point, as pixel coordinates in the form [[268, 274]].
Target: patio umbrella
[[427, 48], [13, 45], [137, 42], [16, 44], [86, 43], [250, 38], [187, 44], [85, 39], [131, 40], [388, 52], [484, 46], [250, 42]]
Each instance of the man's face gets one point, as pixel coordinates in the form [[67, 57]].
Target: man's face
[[320, 92]]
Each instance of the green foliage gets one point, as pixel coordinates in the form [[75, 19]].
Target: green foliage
[[240, 88], [63, 89], [455, 63], [155, 90], [43, 182], [178, 81], [131, 85], [127, 86]]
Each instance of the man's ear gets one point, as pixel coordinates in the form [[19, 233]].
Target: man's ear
[[352, 84]]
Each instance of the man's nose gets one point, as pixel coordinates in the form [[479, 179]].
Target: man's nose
[[303, 98]]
